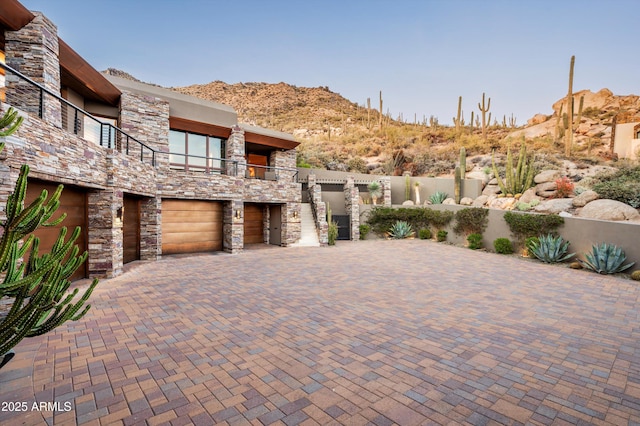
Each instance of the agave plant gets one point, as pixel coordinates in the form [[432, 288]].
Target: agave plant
[[550, 249], [400, 230], [438, 197], [606, 259]]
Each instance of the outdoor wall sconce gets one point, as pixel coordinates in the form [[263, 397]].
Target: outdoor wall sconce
[[120, 213], [238, 214], [295, 214]]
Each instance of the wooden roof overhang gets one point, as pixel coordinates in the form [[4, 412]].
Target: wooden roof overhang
[[14, 15], [271, 141], [177, 123], [77, 74]]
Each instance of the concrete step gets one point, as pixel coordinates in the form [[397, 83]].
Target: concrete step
[[308, 231]]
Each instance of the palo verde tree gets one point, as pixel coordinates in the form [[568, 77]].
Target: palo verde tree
[[36, 285]]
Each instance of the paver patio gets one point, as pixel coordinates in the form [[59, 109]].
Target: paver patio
[[375, 332]]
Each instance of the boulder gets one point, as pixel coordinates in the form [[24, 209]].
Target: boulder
[[503, 203], [547, 176], [491, 190], [466, 201], [449, 201], [584, 198], [537, 119], [408, 203], [609, 210], [554, 206], [480, 201], [529, 195], [479, 175]]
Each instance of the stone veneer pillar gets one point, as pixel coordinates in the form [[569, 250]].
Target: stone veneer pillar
[[105, 233], [233, 226], [284, 159], [351, 197], [146, 118], [33, 51], [385, 181], [150, 228], [319, 209], [235, 153]]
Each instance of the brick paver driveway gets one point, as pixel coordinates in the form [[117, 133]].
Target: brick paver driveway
[[379, 332]]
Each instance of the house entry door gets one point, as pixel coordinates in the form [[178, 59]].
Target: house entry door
[[275, 225]]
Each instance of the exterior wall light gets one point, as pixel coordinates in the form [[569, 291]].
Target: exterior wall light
[[238, 214]]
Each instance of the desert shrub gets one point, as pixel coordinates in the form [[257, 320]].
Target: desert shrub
[[523, 225], [357, 164], [503, 246], [441, 235], [400, 230], [439, 218], [364, 230], [530, 243], [606, 259], [472, 220], [382, 218], [564, 187], [424, 234], [475, 241], [623, 186], [332, 233], [635, 275]]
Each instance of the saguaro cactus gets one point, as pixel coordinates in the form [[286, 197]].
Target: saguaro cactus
[[458, 119], [460, 172], [569, 134], [486, 120], [38, 284]]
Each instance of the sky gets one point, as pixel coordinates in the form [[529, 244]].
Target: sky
[[422, 54]]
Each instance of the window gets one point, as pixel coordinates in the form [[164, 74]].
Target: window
[[92, 131], [195, 152]]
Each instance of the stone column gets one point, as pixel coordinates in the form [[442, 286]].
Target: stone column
[[291, 226], [235, 152], [145, 118], [233, 226], [385, 181], [33, 51], [105, 233], [351, 196], [284, 159], [319, 209], [150, 229]]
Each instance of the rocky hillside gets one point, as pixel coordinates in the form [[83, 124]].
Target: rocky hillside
[[302, 111]]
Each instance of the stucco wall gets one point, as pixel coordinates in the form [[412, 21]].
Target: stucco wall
[[625, 144]]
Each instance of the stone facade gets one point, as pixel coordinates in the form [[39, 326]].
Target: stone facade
[[319, 209], [351, 202], [108, 174]]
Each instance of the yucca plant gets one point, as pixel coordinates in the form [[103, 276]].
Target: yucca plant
[[438, 197], [375, 191], [606, 259], [400, 230], [550, 249]]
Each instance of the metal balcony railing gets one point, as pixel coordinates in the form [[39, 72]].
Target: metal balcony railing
[[28, 96], [202, 164], [255, 171]]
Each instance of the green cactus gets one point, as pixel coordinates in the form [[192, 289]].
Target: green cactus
[[518, 179], [39, 284], [456, 185], [10, 122], [458, 119], [485, 121], [569, 134]]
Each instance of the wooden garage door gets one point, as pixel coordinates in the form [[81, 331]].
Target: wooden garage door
[[190, 226], [253, 224], [131, 229], [73, 202]]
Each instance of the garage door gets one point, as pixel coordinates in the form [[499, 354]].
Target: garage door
[[190, 226], [131, 229], [73, 202], [253, 224]]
